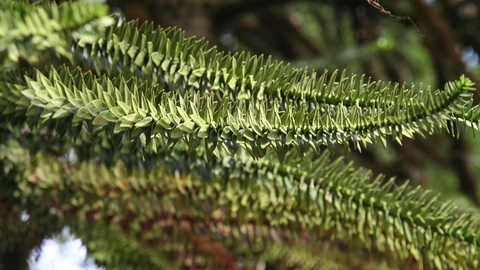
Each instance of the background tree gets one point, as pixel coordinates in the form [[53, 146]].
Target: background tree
[[169, 217]]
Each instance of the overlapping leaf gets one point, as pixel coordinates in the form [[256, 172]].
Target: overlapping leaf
[[29, 32], [327, 200], [160, 91], [152, 117]]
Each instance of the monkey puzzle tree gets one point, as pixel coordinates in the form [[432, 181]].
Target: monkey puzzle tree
[[160, 152]]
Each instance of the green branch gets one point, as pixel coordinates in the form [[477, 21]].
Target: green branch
[[30, 32], [334, 201], [152, 118], [210, 124]]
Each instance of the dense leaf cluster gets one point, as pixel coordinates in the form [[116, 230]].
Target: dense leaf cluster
[[238, 149], [31, 32]]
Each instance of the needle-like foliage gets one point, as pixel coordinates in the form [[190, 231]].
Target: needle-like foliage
[[32, 32], [227, 155]]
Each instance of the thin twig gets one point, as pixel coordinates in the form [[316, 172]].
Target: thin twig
[[376, 4]]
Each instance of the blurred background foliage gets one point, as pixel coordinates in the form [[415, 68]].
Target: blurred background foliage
[[439, 43]]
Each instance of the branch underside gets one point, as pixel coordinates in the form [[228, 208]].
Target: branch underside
[[406, 223]]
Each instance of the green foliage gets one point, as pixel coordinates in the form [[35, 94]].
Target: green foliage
[[227, 155], [329, 27], [32, 32], [327, 200]]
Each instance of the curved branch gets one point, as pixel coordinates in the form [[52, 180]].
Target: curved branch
[[325, 199], [153, 119]]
